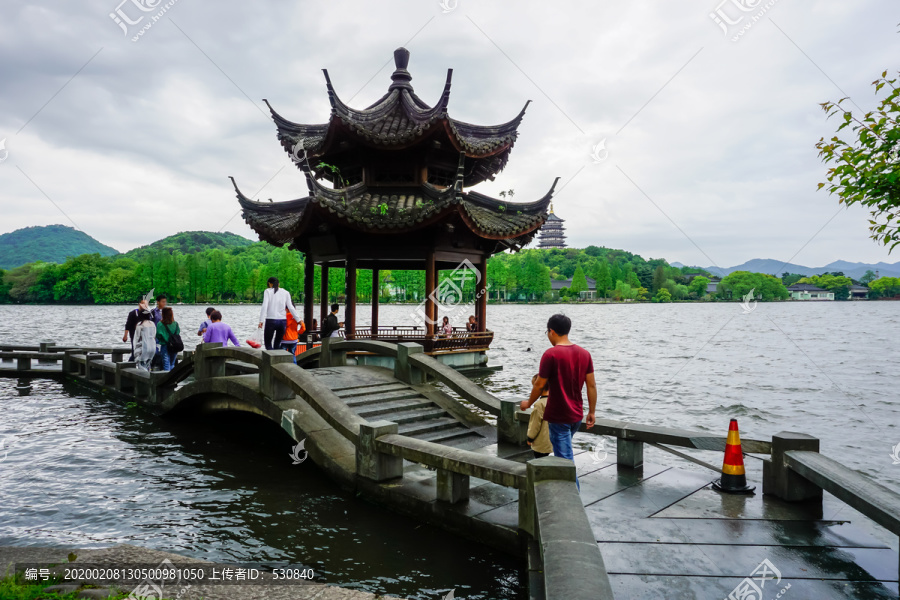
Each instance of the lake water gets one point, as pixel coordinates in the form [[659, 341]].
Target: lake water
[[82, 470]]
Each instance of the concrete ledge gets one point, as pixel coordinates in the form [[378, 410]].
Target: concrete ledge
[[567, 544]]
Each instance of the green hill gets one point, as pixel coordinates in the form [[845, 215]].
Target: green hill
[[190, 242], [52, 243]]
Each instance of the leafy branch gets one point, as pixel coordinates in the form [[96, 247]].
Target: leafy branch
[[866, 168]]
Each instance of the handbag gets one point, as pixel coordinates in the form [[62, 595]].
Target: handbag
[[174, 343]]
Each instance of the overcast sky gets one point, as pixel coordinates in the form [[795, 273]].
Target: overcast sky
[[709, 153]]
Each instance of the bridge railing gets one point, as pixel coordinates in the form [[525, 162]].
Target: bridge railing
[[794, 472]]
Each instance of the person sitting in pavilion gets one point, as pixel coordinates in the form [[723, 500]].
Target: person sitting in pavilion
[[330, 326], [472, 325], [446, 327]]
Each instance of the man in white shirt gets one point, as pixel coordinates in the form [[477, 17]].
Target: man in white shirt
[[273, 314]]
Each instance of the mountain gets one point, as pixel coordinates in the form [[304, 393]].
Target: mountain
[[51, 243], [189, 242], [777, 267]]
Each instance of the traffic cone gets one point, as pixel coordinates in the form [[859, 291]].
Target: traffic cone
[[734, 479]]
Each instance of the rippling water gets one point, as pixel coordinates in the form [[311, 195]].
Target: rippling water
[[82, 469]]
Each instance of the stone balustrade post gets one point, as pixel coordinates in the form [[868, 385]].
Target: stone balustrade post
[[46, 347], [452, 487], [269, 384], [91, 372], [124, 384], [549, 468], [332, 358], [782, 482], [207, 367], [629, 453], [370, 463], [510, 429], [403, 370]]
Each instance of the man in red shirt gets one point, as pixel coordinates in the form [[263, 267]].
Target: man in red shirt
[[566, 368]]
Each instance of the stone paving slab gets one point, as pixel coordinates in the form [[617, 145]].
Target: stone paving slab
[[857, 564], [738, 532], [609, 480], [652, 587]]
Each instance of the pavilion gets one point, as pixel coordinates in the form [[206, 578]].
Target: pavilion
[[398, 172]]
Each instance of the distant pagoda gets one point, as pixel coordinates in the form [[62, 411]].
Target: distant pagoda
[[553, 232]]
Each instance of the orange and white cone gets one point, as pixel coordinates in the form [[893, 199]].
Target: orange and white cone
[[734, 478]]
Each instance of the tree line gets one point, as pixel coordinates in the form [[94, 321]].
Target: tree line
[[221, 275]]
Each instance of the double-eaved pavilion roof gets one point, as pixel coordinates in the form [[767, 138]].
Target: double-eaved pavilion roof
[[399, 130], [398, 120], [385, 210]]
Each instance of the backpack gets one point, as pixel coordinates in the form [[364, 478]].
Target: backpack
[[174, 342]]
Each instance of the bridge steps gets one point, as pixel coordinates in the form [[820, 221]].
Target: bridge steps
[[376, 395], [408, 416]]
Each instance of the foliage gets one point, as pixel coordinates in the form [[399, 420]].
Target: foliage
[[699, 285], [884, 287], [662, 295], [738, 284], [202, 267], [866, 169], [53, 244], [190, 242], [789, 279], [579, 281], [838, 284]]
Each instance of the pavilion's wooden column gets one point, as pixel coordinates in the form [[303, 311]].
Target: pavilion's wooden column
[[324, 300], [481, 294], [430, 304], [309, 274], [375, 289], [350, 311]]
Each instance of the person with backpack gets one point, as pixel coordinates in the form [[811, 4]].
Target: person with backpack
[[276, 303], [144, 339], [168, 336], [206, 323]]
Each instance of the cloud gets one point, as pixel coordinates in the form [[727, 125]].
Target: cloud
[[720, 135]]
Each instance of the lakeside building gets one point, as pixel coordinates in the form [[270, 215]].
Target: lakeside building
[[557, 284], [859, 292], [553, 232], [806, 291]]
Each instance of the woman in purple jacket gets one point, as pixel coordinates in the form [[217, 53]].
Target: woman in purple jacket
[[219, 331]]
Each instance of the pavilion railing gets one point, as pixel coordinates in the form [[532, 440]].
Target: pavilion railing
[[461, 340]]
